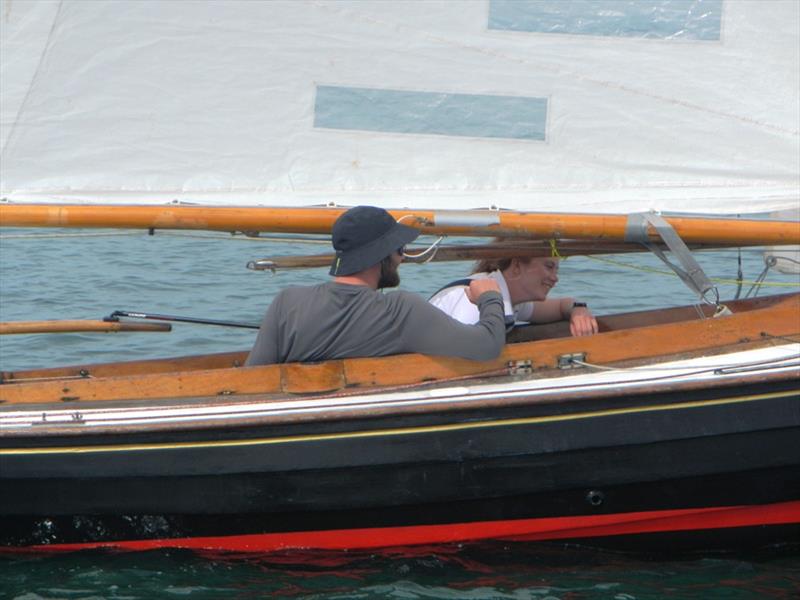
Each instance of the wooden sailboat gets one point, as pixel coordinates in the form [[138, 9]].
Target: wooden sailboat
[[201, 452], [672, 427]]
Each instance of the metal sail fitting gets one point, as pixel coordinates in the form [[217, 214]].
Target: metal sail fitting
[[690, 272]]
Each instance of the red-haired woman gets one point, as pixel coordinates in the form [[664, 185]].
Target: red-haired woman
[[524, 284]]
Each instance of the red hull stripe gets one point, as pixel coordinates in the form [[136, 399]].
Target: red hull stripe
[[517, 530]]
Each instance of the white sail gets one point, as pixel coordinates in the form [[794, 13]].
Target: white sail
[[543, 105]]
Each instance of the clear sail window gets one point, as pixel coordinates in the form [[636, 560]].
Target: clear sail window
[[658, 19], [398, 111]]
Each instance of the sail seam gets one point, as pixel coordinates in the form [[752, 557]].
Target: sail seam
[[34, 79]]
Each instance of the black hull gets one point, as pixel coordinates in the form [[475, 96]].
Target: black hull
[[615, 470], [579, 508]]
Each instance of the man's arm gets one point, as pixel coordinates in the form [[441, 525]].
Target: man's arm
[[430, 331]]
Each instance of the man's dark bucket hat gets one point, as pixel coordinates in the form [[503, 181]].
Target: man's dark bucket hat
[[364, 236]]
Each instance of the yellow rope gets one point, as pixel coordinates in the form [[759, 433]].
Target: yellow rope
[[672, 274]]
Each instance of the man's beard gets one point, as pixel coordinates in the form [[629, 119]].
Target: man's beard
[[389, 276]]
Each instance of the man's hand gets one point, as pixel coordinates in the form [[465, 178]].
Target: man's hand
[[477, 287]]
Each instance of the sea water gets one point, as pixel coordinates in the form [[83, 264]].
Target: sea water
[[53, 274], [486, 571]]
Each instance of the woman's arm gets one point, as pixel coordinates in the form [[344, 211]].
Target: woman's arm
[[581, 320]]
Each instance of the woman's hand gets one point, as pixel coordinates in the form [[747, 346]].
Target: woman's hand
[[581, 321]]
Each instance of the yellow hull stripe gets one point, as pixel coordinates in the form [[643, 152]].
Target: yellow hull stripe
[[393, 432]]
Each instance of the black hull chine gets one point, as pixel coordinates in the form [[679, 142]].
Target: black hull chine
[[543, 516]]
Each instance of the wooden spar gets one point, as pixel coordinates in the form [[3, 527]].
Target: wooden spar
[[522, 248], [320, 220], [74, 326]]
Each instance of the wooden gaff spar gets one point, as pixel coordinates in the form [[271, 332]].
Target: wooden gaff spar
[[522, 248], [710, 231]]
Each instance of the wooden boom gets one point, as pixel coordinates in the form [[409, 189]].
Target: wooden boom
[[320, 220]]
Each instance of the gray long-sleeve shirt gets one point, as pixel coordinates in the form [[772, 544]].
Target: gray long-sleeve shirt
[[336, 320]]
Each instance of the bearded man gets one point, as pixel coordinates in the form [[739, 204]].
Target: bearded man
[[349, 317]]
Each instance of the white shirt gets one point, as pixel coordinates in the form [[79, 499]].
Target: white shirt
[[454, 302]]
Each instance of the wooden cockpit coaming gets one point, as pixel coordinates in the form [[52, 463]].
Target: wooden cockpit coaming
[[624, 339], [644, 318]]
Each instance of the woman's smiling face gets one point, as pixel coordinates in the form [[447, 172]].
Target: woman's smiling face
[[531, 280]]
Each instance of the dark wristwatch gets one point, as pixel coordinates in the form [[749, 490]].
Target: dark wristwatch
[[579, 305]]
